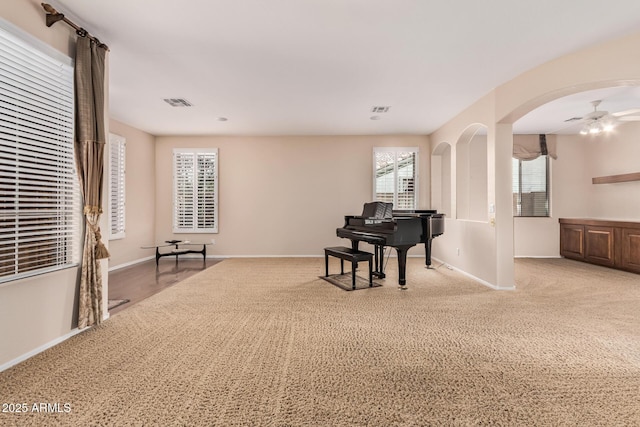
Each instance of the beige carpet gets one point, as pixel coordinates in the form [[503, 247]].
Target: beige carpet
[[265, 342]]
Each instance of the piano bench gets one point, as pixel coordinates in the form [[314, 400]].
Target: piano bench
[[348, 254]]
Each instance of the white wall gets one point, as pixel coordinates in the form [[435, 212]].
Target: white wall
[[615, 154], [140, 197], [284, 196]]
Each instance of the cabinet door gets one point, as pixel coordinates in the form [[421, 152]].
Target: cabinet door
[[572, 241], [631, 249], [599, 245]]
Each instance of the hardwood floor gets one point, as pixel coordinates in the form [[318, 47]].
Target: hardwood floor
[[142, 280]]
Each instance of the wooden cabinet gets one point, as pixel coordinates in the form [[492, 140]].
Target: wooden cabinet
[[599, 245], [610, 243], [572, 241], [631, 249]]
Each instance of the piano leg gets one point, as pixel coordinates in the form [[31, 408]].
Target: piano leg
[[402, 265], [427, 251], [379, 261]]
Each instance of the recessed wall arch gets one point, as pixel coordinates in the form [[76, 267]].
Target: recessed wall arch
[[472, 174], [441, 178]]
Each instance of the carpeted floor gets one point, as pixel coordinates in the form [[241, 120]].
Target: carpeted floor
[[266, 342]]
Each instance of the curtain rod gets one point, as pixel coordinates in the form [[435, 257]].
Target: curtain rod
[[54, 16]]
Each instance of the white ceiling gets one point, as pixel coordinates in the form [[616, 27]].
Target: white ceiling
[[308, 67]]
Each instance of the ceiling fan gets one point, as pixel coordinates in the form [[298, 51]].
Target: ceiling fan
[[599, 121]]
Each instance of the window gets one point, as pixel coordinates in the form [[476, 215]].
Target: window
[[531, 187], [396, 176], [195, 190], [39, 192], [117, 145]]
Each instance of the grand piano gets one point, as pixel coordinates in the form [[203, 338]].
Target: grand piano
[[382, 226]]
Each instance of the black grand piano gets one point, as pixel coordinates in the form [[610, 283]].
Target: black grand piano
[[382, 226]]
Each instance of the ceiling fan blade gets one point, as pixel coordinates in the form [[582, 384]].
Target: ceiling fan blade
[[629, 119], [619, 114], [569, 128]]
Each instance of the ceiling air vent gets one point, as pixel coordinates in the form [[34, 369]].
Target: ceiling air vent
[[178, 102], [379, 109]]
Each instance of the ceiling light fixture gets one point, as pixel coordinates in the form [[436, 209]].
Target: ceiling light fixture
[[596, 126], [598, 121]]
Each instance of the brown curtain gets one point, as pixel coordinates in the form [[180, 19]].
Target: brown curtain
[[528, 147], [89, 151]]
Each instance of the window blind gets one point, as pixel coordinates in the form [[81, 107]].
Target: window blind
[[396, 176], [195, 195], [530, 187], [117, 147], [39, 194]]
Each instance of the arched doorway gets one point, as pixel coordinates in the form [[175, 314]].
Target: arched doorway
[[582, 157]]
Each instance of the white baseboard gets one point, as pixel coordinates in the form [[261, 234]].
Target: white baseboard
[[130, 263], [477, 279], [539, 256], [40, 349], [267, 256], [393, 255]]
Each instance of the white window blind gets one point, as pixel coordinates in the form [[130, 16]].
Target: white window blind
[[530, 187], [195, 190], [117, 149], [39, 195], [396, 176]]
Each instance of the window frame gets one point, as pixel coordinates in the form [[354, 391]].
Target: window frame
[[194, 228], [117, 186], [416, 173], [38, 159], [547, 177]]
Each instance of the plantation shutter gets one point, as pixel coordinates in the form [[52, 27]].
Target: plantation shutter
[[39, 195], [406, 166], [117, 147], [395, 177], [195, 191], [385, 177]]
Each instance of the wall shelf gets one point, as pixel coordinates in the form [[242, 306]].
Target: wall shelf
[[612, 179]]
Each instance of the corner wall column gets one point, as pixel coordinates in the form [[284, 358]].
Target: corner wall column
[[503, 207]]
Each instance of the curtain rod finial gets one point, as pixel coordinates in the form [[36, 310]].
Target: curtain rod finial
[[48, 8]]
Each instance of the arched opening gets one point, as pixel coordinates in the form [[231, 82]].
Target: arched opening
[[580, 158], [472, 174], [441, 178]]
